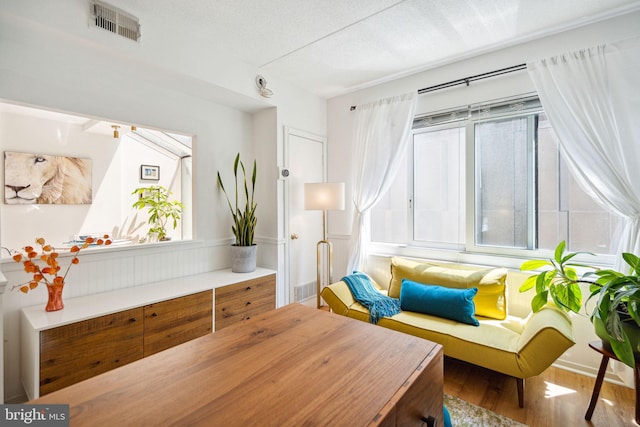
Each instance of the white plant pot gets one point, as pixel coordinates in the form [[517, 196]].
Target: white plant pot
[[243, 258]]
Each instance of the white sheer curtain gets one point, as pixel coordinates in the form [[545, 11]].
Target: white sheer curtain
[[381, 135], [593, 102]]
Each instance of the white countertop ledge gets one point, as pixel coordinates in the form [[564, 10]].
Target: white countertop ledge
[[100, 304]]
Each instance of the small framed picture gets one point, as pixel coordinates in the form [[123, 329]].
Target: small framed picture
[[149, 172]]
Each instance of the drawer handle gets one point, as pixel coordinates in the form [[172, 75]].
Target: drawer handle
[[154, 314], [248, 288], [133, 319], [430, 421], [248, 303]]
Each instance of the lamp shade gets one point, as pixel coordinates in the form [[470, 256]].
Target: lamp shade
[[324, 196]]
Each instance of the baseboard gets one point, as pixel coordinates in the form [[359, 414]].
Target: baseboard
[[589, 371], [22, 398]]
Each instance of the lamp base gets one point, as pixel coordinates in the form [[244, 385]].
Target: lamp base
[[327, 269]]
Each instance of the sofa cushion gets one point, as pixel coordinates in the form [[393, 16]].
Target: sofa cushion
[[451, 334], [449, 303], [490, 301]]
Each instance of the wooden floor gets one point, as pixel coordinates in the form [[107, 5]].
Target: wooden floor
[[555, 398]]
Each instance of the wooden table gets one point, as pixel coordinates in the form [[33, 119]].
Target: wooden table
[[606, 355], [289, 367]]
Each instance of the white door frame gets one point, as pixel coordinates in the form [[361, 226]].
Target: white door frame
[[288, 132]]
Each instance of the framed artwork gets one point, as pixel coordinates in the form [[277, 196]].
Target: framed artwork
[[149, 173], [46, 179]]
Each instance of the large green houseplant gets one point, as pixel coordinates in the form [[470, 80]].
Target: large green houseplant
[[244, 218], [159, 208], [616, 315]]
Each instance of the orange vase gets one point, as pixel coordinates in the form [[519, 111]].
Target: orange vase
[[55, 297]]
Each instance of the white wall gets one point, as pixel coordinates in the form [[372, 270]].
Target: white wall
[[52, 59], [340, 127]]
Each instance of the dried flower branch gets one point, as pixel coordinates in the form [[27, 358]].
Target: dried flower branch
[[49, 273]]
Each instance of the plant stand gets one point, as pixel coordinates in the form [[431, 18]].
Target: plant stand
[[606, 355]]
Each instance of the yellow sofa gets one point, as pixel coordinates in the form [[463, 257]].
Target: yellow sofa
[[520, 347]]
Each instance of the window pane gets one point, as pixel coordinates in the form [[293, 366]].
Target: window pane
[[565, 211], [502, 173], [438, 162], [552, 222], [389, 215]]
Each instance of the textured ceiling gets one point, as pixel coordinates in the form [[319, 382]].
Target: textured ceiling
[[328, 47], [331, 47]]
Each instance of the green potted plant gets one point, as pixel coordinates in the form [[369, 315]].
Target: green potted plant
[[616, 316], [243, 251], [159, 208]]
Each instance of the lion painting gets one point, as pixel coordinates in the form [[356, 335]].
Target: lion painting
[[37, 178]]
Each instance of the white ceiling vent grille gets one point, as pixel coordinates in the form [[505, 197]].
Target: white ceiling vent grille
[[115, 20]]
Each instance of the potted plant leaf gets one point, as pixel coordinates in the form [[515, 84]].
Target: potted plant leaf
[[616, 316], [159, 208], [243, 251]]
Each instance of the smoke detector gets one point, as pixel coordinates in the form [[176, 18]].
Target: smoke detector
[[117, 21]]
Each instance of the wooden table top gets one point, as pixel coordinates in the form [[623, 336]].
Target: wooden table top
[[289, 367]]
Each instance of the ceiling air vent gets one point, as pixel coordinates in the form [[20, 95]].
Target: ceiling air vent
[[117, 21]]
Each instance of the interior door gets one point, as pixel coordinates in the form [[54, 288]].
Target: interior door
[[306, 163]]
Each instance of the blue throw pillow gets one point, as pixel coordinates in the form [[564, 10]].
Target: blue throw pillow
[[450, 303]]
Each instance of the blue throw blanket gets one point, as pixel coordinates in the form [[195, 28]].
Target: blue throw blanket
[[379, 305]]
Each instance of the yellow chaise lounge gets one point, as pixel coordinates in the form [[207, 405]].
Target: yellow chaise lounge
[[520, 347]]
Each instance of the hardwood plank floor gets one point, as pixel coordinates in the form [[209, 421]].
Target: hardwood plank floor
[[554, 398]]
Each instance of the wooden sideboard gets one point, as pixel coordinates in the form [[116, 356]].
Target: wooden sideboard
[[97, 333], [292, 366]]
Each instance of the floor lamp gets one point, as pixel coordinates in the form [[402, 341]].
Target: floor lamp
[[324, 196]]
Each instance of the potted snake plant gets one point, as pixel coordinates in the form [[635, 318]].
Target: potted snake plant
[[244, 250], [616, 315]]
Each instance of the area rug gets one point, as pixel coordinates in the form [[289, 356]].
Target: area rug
[[465, 414]]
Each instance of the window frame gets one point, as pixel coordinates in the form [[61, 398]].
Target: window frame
[[469, 251]]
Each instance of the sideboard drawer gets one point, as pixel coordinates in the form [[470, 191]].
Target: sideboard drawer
[[243, 300], [173, 322], [81, 350]]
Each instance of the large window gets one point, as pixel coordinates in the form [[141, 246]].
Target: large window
[[490, 179]]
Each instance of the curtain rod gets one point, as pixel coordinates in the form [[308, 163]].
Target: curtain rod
[[467, 80]]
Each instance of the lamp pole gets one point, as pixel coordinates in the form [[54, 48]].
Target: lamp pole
[[324, 243]]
